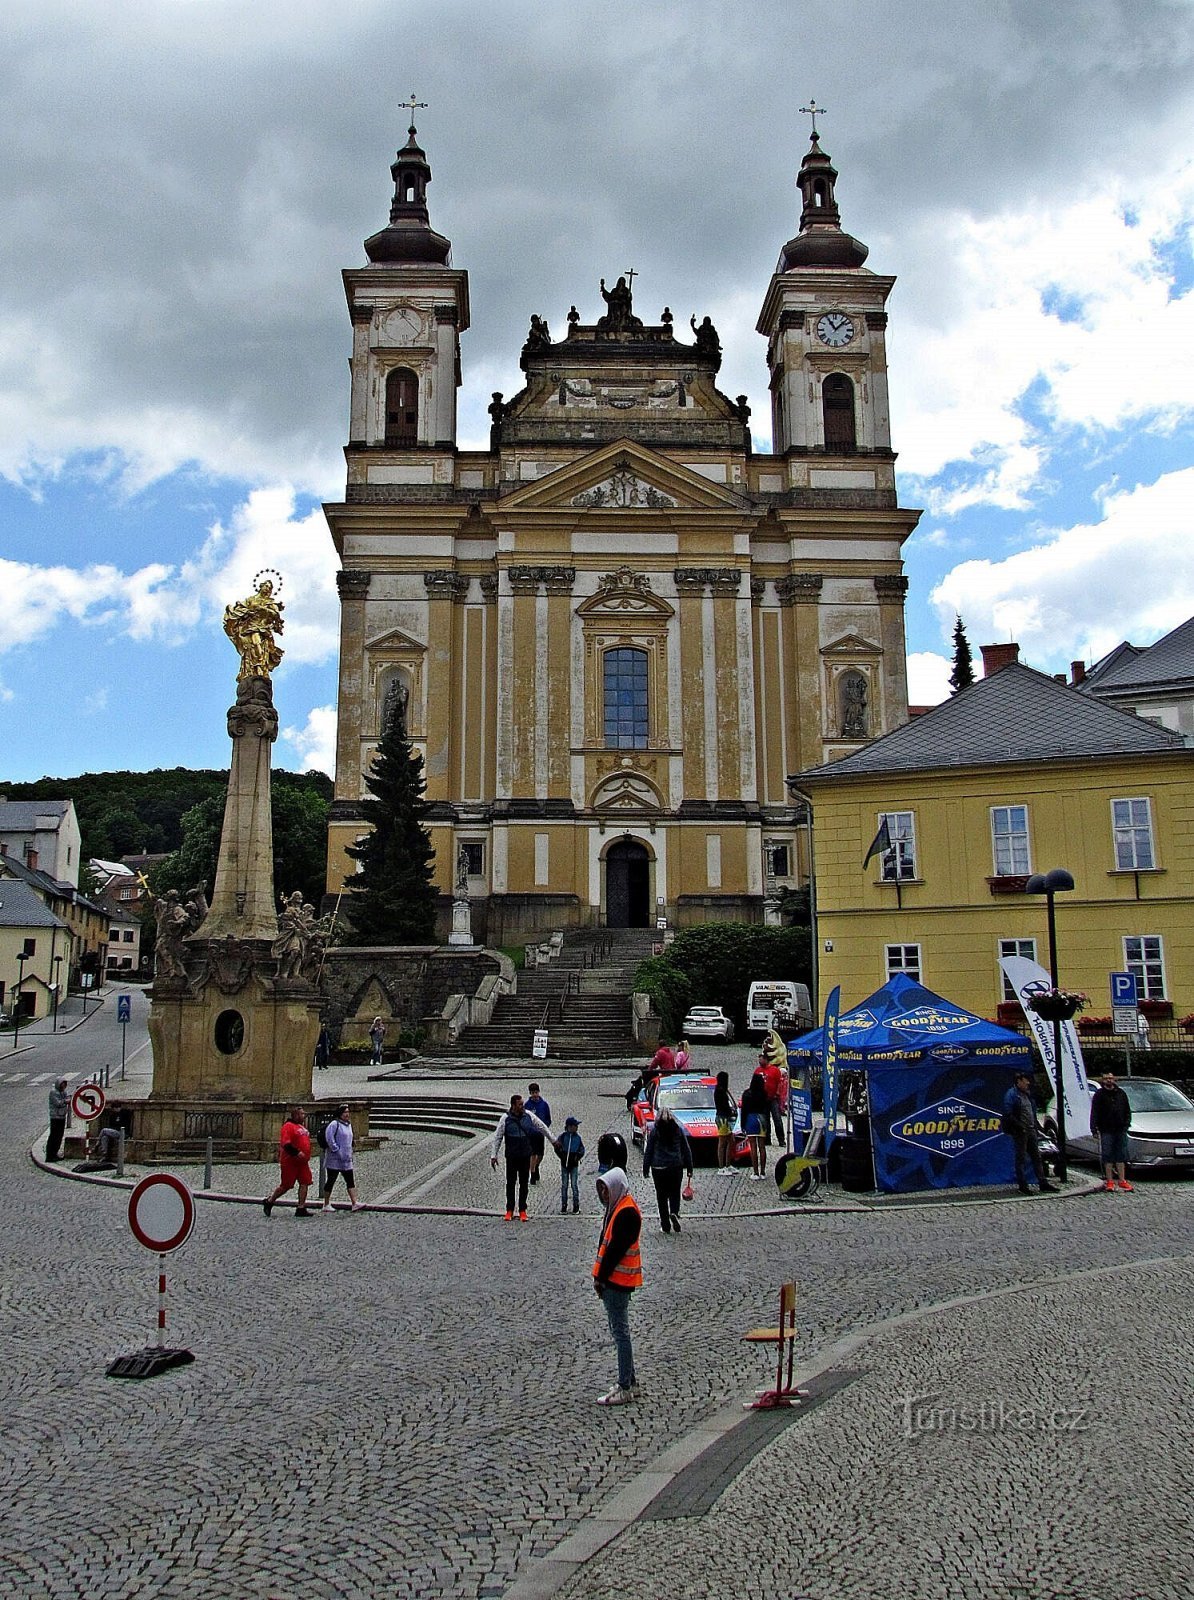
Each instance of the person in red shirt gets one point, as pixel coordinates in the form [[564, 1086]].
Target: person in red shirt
[[773, 1082], [294, 1158]]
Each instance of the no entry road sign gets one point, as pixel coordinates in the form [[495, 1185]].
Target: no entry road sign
[[161, 1212], [88, 1101]]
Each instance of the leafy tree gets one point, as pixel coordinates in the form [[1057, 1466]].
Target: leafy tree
[[300, 819], [669, 989], [392, 899], [721, 960], [962, 675]]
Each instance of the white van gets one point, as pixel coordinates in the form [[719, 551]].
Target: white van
[[773, 1002]]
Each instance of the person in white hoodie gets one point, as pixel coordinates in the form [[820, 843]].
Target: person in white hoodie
[[337, 1159]]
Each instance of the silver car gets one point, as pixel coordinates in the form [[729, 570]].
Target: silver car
[[1161, 1132], [708, 1022]]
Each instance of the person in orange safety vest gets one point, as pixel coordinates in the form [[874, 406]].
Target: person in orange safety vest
[[617, 1273]]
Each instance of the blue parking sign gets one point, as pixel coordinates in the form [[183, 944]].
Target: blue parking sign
[[124, 1007], [1123, 989]]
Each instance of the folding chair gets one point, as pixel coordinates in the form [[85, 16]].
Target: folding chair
[[783, 1336]]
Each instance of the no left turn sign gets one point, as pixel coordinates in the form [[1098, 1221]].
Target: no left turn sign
[[88, 1101], [161, 1212]]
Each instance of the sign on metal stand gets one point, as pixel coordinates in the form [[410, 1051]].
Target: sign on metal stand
[[539, 1045], [161, 1214], [124, 1011]]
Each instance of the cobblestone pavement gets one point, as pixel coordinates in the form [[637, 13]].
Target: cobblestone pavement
[[400, 1405]]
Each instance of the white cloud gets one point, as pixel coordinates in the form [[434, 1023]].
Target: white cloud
[[1080, 590], [315, 742], [928, 678], [165, 604]]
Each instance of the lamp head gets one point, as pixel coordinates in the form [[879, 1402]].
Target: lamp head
[[1049, 882]]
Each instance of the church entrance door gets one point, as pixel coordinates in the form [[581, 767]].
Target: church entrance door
[[627, 885]]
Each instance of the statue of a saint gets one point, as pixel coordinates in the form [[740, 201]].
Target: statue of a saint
[[539, 337], [251, 625], [620, 317], [296, 925], [462, 874], [854, 706], [707, 341], [395, 704], [173, 925]]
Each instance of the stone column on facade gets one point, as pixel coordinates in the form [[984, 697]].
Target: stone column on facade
[[891, 589], [445, 588], [876, 323], [799, 595], [443, 410], [358, 418], [353, 587]]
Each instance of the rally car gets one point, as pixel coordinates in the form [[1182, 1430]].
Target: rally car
[[690, 1099]]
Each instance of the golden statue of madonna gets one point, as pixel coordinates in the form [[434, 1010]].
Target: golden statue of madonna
[[251, 625]]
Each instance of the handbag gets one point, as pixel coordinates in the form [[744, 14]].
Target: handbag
[[687, 1192]]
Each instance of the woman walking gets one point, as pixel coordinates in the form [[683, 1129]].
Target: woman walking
[[756, 1117], [683, 1056], [666, 1157], [725, 1111], [377, 1038], [338, 1160]]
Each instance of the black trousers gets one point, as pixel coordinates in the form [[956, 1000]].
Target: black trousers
[[518, 1172], [54, 1142], [667, 1191], [1028, 1153]]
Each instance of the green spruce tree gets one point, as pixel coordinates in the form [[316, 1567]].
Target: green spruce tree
[[392, 899], [963, 674]]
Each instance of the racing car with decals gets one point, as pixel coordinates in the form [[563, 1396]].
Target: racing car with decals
[[689, 1097]]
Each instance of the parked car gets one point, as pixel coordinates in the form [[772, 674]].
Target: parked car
[[708, 1022], [1161, 1132], [689, 1097]]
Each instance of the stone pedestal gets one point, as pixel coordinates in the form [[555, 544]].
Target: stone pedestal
[[462, 923]]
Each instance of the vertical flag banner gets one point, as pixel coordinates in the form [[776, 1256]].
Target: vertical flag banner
[[1028, 978], [881, 843], [832, 1006]]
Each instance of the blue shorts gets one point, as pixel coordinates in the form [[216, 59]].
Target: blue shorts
[[1113, 1148]]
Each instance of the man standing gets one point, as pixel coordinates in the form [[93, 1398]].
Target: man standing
[[1019, 1123], [59, 1109], [538, 1107], [294, 1158], [514, 1130], [617, 1273], [1110, 1114]]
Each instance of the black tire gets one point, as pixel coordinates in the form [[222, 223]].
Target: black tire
[[800, 1185]]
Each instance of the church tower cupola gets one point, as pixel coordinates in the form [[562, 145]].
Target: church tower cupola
[[410, 236], [820, 242]]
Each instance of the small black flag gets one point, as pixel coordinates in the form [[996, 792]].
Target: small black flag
[[881, 843]]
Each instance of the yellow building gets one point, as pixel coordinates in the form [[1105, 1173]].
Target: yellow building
[[613, 634], [35, 951], [1015, 775]]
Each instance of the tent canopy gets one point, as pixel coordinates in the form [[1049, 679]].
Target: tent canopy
[[904, 1022]]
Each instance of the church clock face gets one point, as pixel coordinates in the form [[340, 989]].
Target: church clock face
[[835, 329]]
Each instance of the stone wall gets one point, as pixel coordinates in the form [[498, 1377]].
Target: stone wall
[[406, 986]]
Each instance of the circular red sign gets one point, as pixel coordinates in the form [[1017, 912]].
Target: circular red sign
[[88, 1101], [161, 1212]]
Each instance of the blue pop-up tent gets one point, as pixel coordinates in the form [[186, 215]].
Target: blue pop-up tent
[[936, 1077]]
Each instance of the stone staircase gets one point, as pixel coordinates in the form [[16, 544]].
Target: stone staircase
[[434, 1113], [582, 998]]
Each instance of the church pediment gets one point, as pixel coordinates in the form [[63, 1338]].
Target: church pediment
[[625, 792], [623, 477], [623, 593], [395, 643], [852, 645]]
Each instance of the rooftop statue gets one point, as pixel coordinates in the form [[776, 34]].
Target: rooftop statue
[[620, 316], [251, 625]]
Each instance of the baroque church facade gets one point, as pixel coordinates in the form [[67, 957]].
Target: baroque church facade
[[613, 633]]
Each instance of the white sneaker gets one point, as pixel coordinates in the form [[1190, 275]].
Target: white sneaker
[[357, 1206], [325, 1211], [617, 1396]]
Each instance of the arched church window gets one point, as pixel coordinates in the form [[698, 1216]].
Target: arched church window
[[837, 402], [625, 690], [402, 406], [853, 710]]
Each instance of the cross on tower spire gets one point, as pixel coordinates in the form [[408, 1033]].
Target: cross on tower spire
[[412, 105], [814, 111]]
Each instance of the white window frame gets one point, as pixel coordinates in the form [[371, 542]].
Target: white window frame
[[900, 964], [1126, 835], [1144, 955], [772, 850], [469, 846], [898, 864], [1007, 838], [1013, 947]]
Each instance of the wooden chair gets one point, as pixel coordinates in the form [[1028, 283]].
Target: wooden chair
[[783, 1337]]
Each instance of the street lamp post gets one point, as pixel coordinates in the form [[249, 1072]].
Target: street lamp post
[[16, 1010], [57, 989], [1050, 884]]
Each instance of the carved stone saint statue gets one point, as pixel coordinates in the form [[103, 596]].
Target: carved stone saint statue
[[251, 625], [620, 317], [173, 925], [295, 930], [854, 706], [707, 341], [462, 874]]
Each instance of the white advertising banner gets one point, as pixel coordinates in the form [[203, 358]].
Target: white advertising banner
[[1028, 978]]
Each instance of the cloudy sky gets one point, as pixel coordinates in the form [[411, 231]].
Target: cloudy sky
[[186, 178]]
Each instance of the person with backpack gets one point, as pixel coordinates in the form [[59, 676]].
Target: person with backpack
[[666, 1156], [516, 1129], [294, 1158], [725, 1112], [570, 1148], [336, 1143]]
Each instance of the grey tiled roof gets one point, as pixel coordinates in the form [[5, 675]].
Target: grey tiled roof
[[21, 907], [21, 815], [1017, 714], [1170, 660], [1107, 666]]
